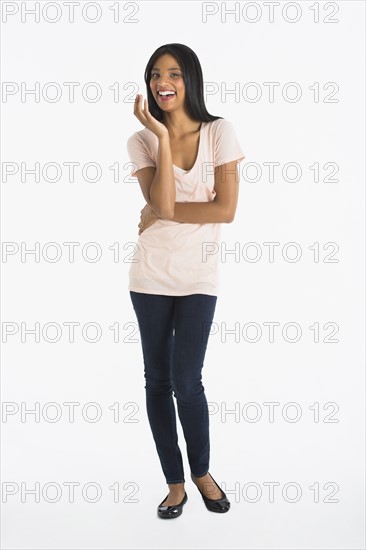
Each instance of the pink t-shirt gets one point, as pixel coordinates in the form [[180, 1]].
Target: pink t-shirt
[[178, 258]]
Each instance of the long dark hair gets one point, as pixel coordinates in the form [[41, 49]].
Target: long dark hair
[[193, 81]]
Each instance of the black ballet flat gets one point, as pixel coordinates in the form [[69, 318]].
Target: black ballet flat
[[167, 512], [220, 505]]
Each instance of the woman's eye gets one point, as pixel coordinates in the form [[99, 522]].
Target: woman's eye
[[174, 74]]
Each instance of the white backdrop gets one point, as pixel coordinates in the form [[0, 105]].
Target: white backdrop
[[284, 368]]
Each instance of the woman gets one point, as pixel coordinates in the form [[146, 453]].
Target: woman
[[186, 163]]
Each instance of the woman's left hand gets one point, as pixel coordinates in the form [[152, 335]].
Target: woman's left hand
[[148, 217]]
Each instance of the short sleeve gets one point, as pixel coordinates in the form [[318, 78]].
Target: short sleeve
[[138, 154], [227, 146]]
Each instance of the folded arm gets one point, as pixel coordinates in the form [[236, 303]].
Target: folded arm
[[222, 208], [199, 212]]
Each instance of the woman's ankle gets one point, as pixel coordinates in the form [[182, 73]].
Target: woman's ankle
[[176, 486]]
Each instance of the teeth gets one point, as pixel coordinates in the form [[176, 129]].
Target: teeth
[[166, 93]]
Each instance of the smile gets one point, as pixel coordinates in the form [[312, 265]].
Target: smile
[[166, 92], [166, 96]]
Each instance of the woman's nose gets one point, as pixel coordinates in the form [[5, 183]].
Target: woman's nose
[[162, 81]]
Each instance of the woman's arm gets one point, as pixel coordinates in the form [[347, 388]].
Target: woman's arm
[[199, 212], [162, 188], [222, 208], [157, 184]]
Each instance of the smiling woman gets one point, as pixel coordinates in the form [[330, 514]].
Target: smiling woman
[[185, 160]]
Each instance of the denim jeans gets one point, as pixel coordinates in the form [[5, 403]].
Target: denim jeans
[[174, 333]]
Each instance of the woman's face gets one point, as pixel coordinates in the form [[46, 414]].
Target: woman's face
[[165, 75]]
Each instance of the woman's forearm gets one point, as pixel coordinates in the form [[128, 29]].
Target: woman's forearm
[[199, 212], [162, 189]]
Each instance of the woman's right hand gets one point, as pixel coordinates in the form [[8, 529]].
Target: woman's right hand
[[141, 111]]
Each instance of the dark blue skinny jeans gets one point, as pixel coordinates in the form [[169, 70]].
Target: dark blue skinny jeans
[[174, 333]]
